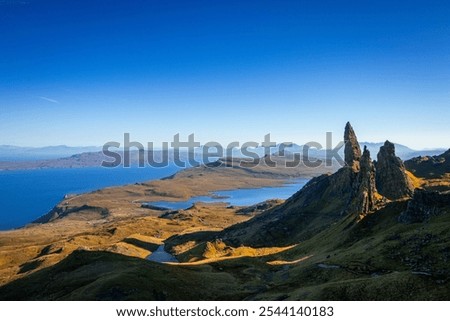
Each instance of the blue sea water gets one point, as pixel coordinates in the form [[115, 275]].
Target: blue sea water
[[239, 197], [26, 195]]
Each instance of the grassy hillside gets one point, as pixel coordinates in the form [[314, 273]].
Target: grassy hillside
[[306, 248], [374, 259]]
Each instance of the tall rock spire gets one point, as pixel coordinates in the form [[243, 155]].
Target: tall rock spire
[[351, 191], [392, 180], [367, 177], [352, 151], [364, 195], [363, 198]]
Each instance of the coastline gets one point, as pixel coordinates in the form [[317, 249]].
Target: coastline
[[114, 220]]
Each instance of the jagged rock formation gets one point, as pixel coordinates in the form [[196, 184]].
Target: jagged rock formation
[[352, 151], [356, 190], [362, 171], [364, 197], [322, 245], [430, 166], [351, 191], [424, 205], [391, 178]]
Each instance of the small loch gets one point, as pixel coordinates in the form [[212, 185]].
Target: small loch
[[161, 256], [237, 197]]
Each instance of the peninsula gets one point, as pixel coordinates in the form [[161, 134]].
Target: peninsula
[[371, 230]]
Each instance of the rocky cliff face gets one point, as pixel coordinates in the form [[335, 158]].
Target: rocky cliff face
[[424, 205], [364, 196], [356, 190], [351, 191], [391, 178]]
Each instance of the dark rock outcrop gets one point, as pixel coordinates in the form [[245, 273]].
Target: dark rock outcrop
[[424, 205], [59, 212], [352, 151], [259, 207], [391, 178], [364, 194], [430, 166], [351, 191]]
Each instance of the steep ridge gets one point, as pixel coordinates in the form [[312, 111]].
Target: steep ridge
[[351, 191], [339, 238], [430, 166]]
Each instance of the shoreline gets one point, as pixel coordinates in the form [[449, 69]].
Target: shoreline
[[185, 184], [113, 220], [193, 182]]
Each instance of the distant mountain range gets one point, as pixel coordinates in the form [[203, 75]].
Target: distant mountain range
[[368, 231], [401, 151], [16, 153], [92, 155]]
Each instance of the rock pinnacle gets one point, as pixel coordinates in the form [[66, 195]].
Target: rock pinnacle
[[352, 151]]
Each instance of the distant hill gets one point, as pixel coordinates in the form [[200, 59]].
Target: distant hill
[[369, 231], [402, 151], [430, 166], [17, 153], [89, 159], [62, 156]]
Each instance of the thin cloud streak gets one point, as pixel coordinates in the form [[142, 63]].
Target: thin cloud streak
[[49, 99]]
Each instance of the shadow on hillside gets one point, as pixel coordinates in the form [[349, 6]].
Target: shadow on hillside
[[149, 246]]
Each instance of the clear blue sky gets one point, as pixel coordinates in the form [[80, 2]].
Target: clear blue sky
[[85, 72]]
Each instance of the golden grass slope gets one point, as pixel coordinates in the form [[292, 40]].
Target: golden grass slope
[[375, 258], [113, 219]]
